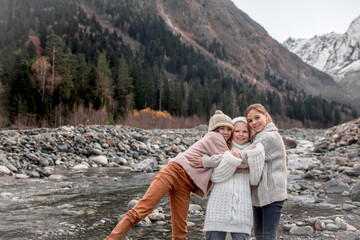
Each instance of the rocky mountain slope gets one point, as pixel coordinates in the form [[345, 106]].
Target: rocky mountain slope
[[336, 54], [252, 51]]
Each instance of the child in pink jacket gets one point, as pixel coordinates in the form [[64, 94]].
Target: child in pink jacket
[[178, 179]]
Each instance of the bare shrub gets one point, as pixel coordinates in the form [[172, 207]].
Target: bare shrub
[[145, 119], [89, 116], [4, 122], [149, 119], [26, 121]]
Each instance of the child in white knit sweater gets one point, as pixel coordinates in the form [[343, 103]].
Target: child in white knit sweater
[[229, 207]]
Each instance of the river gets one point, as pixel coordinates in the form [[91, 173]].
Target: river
[[86, 204]]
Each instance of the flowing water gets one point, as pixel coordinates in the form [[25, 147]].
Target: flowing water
[[79, 207]]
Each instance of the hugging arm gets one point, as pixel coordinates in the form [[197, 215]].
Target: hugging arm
[[253, 159], [206, 161], [226, 168], [256, 161]]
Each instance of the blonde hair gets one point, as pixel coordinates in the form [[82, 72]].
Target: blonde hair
[[260, 108], [248, 128]]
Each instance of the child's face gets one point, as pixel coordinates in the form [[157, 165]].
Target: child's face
[[241, 133], [225, 132], [257, 121]]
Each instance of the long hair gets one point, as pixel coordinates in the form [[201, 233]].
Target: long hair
[[229, 141]]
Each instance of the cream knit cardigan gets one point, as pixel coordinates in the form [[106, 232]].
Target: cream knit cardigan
[[273, 184], [229, 207]]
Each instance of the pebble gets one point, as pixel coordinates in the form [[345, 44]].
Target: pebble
[[302, 231], [4, 170], [80, 167], [332, 227]]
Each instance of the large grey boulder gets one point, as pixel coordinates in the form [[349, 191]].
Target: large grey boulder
[[355, 192], [334, 186]]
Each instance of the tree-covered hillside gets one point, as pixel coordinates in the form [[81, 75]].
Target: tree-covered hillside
[[59, 56]]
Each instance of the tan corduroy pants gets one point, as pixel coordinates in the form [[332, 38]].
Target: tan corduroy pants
[[171, 179]]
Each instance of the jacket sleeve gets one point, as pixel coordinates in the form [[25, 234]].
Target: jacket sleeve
[[211, 161], [272, 145], [256, 160], [226, 168]]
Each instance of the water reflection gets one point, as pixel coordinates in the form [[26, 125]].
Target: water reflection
[[86, 205]]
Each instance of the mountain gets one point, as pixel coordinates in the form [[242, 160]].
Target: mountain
[[186, 57], [248, 45], [336, 54]]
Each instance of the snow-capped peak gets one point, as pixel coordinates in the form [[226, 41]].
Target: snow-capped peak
[[314, 51], [354, 29], [336, 54]]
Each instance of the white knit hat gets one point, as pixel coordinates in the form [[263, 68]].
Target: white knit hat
[[239, 119], [219, 119]]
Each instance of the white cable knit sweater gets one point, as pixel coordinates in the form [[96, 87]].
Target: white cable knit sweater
[[229, 207]]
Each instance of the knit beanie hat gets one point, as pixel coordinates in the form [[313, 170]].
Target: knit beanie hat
[[239, 119], [219, 119]]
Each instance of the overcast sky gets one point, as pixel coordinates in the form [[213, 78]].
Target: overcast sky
[[302, 18]]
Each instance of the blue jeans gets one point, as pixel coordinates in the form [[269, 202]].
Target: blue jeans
[[221, 236], [266, 220]]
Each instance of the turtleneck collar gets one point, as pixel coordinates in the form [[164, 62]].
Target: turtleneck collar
[[238, 146]]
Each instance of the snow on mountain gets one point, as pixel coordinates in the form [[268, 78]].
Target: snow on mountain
[[336, 54], [314, 51], [346, 51]]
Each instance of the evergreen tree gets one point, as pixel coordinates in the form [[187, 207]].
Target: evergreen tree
[[195, 98], [103, 79], [18, 94], [82, 84], [123, 83], [175, 98], [31, 50]]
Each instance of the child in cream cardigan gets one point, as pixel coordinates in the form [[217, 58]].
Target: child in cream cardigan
[[269, 195]]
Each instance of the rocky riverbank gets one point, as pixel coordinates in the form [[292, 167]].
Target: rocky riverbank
[[34, 153], [324, 190], [324, 169]]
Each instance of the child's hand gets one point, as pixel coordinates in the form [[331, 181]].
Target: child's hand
[[253, 147], [196, 162], [235, 153]]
